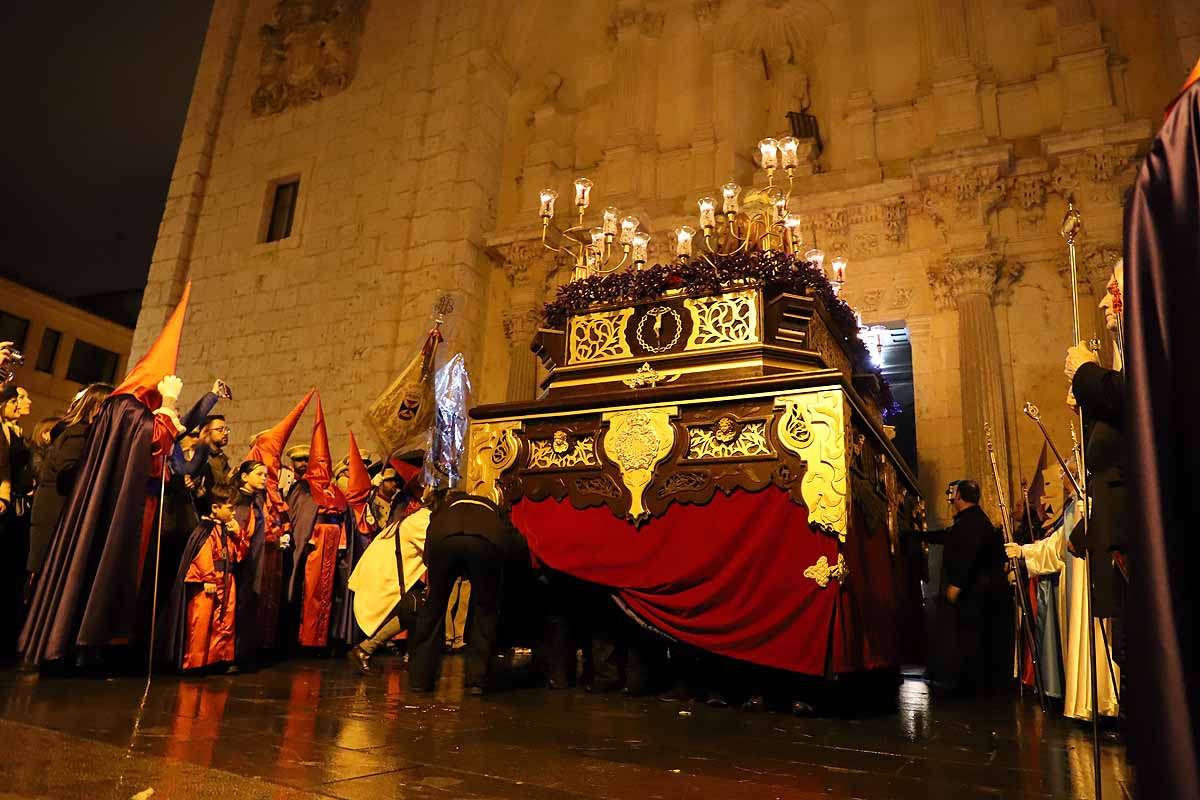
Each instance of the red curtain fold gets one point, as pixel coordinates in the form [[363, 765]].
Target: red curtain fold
[[728, 576]]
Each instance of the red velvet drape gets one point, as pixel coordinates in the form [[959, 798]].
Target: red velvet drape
[[728, 576]]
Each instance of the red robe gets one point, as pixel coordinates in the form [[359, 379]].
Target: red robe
[[210, 618], [328, 540]]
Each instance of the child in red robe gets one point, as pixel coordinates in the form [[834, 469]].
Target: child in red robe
[[204, 599]]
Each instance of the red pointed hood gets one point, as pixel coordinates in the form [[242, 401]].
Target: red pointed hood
[[159, 361], [358, 482], [319, 474], [1193, 78], [268, 447]]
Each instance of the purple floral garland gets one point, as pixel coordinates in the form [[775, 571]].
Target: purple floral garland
[[776, 271]]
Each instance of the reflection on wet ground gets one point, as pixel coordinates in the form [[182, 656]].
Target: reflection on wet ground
[[317, 729]]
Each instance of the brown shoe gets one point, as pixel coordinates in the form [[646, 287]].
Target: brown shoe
[[360, 659]]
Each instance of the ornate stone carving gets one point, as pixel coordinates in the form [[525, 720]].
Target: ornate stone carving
[[894, 215], [599, 336], [902, 297], [637, 441], [1027, 196], [986, 273], [493, 449], [652, 24], [871, 300], [727, 438], [822, 573], [813, 427], [706, 11], [526, 259], [965, 196], [1099, 173], [562, 451], [309, 51], [864, 245], [728, 319], [520, 324]]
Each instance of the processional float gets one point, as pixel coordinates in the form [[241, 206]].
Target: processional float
[[733, 375]]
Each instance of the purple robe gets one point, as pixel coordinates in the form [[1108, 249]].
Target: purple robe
[[87, 594], [1162, 287]]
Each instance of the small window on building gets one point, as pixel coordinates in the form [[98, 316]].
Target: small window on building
[[92, 364], [13, 329], [283, 210], [48, 351]]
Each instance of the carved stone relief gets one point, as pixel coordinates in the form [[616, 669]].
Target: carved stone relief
[[309, 51]]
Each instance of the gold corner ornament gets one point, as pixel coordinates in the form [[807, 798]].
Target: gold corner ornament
[[562, 451], [822, 573], [637, 441], [493, 450], [812, 426]]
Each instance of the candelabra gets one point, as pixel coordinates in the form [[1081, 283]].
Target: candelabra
[[762, 222]]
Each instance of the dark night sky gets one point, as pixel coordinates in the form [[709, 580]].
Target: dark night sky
[[96, 98]]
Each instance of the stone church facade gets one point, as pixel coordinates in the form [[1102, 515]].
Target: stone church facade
[[952, 133]]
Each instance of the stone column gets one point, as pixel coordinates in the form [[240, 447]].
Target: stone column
[[968, 283], [521, 322]]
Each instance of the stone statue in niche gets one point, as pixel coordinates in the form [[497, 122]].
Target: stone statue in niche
[[309, 51], [788, 89]]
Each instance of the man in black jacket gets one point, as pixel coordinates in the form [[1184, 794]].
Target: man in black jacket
[[972, 648], [468, 537]]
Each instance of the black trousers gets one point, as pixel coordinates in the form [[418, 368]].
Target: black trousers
[[451, 558]]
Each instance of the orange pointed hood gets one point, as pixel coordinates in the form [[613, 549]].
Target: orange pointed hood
[[159, 361], [1193, 78], [319, 474], [268, 447]]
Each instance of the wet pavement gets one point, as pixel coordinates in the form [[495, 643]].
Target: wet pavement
[[316, 728]]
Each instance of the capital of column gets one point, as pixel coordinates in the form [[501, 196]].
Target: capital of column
[[521, 322], [959, 275], [525, 261], [1095, 262]]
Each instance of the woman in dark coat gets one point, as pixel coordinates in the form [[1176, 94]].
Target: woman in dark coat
[[56, 475]]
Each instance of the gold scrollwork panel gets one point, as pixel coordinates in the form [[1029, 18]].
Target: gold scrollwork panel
[[563, 451], [727, 319], [494, 448], [638, 441], [812, 426], [598, 337]]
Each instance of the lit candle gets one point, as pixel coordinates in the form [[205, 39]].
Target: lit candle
[[768, 149], [629, 227], [839, 271], [708, 214], [611, 223], [594, 256], [548, 197], [792, 224], [641, 241], [683, 241], [583, 193], [816, 257], [732, 194], [788, 147], [779, 201], [597, 238]]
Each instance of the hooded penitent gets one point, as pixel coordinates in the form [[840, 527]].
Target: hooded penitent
[[90, 592], [319, 532]]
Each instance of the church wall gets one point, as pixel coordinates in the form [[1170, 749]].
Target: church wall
[[954, 131]]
